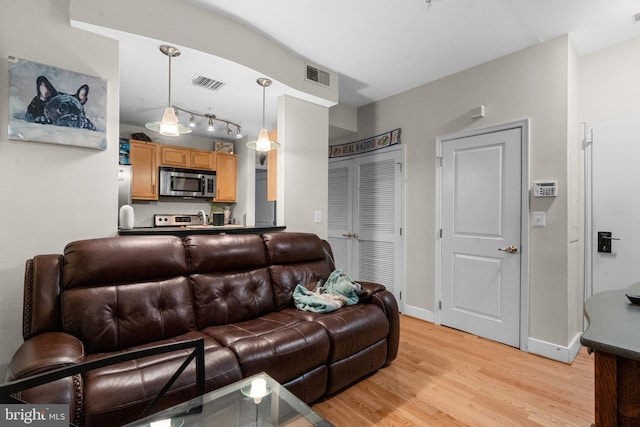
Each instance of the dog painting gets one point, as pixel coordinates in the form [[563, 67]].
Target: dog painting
[[48, 104]]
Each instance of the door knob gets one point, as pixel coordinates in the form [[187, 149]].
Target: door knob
[[347, 235], [511, 249]]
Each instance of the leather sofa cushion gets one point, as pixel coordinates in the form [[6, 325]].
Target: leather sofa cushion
[[350, 329], [224, 298], [225, 252], [230, 278], [120, 392], [123, 259], [109, 318], [276, 343], [294, 258]]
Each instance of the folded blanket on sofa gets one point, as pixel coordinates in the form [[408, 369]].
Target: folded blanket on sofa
[[337, 291]]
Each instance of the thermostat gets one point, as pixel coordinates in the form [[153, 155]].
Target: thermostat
[[545, 189]]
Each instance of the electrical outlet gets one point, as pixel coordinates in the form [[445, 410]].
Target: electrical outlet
[[317, 216]]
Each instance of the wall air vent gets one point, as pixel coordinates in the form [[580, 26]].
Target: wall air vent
[[206, 82], [316, 75]]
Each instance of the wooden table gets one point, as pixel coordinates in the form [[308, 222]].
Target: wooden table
[[614, 334]]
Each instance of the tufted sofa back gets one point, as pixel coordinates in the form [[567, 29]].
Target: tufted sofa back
[[230, 278], [296, 258], [120, 292]]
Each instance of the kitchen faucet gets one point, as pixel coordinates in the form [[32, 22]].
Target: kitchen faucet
[[203, 215]]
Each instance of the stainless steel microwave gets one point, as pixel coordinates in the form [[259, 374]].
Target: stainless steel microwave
[[188, 183]]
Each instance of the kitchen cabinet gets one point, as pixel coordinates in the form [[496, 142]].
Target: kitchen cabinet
[[144, 170], [226, 177], [201, 159], [182, 157]]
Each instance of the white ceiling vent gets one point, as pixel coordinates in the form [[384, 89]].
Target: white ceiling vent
[[207, 83], [316, 75]]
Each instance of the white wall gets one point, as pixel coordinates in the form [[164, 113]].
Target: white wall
[[303, 165], [187, 25], [532, 83], [609, 82], [50, 194]]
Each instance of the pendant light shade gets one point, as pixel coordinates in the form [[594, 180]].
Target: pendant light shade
[[169, 125], [262, 143]]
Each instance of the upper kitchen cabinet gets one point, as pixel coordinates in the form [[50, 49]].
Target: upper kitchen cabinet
[[226, 177], [187, 158], [144, 170], [201, 159]]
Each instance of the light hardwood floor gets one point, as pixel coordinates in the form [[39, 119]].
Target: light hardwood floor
[[445, 377]]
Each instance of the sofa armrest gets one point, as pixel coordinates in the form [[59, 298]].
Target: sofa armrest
[[45, 352], [375, 293]]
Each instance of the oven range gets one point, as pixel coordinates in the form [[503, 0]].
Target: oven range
[[173, 220]]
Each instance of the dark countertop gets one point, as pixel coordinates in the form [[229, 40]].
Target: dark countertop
[[614, 323], [184, 231]]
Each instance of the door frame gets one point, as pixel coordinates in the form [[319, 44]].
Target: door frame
[[524, 126]]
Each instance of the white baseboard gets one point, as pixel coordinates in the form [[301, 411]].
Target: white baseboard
[[554, 351], [420, 313]]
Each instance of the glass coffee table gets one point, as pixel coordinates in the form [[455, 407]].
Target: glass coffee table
[[254, 401]]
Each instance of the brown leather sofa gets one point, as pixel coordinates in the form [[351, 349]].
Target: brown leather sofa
[[235, 291]]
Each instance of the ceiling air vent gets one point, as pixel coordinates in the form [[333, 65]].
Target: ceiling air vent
[[207, 83], [317, 75]]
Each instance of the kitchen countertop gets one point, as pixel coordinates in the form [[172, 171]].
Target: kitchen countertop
[[613, 323], [195, 229]]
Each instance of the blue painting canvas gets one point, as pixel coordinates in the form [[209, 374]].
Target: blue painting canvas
[[57, 106]]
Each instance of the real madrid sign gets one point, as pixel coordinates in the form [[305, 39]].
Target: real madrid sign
[[365, 145]]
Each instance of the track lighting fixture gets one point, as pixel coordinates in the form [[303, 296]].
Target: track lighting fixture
[[169, 125]]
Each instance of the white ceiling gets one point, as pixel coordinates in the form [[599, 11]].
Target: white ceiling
[[378, 47]]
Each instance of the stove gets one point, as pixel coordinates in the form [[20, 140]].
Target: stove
[[175, 220]]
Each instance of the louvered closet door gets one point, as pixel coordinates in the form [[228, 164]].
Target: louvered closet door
[[365, 212]]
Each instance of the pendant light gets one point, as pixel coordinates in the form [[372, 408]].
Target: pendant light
[[169, 125], [262, 143]]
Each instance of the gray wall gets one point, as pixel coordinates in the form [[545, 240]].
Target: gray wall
[[532, 83], [557, 90]]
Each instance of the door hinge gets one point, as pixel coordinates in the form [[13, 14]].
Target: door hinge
[[439, 161], [400, 295], [440, 305], [401, 231], [440, 233]]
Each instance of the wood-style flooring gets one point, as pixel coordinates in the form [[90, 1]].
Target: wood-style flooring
[[445, 377]]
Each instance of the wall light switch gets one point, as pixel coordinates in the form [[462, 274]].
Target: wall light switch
[[539, 219], [317, 216]]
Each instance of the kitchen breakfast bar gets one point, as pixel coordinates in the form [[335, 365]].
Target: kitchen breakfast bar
[[198, 229], [614, 335]]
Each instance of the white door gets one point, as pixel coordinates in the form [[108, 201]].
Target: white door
[[340, 213], [481, 228], [615, 166], [365, 217]]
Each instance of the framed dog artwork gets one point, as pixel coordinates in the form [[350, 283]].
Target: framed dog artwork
[[57, 106]]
